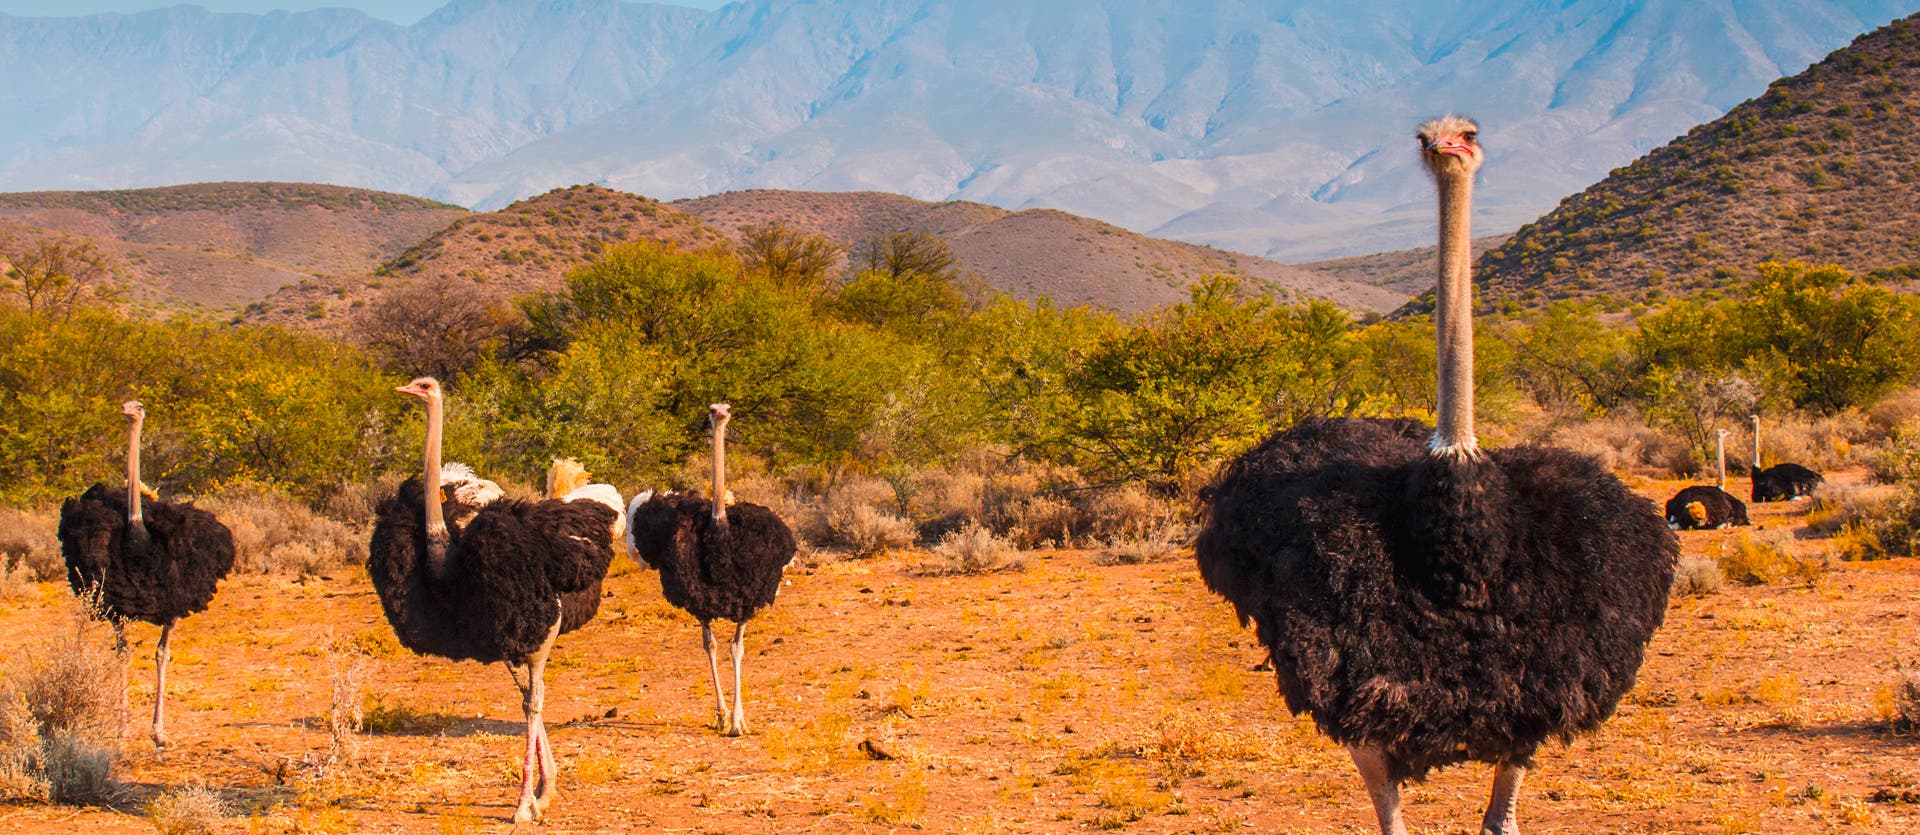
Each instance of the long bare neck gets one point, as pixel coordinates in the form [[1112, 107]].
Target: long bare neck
[[720, 474], [134, 516], [1720, 455], [430, 482], [1453, 430], [1756, 443]]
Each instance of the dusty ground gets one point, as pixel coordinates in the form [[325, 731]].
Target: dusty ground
[[1064, 697]]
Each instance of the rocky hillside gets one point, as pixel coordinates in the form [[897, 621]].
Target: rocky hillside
[[220, 246], [523, 248], [1408, 272], [1039, 252], [1825, 167]]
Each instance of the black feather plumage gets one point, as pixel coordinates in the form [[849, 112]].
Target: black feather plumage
[[1782, 482], [1440, 608], [1721, 508], [166, 574], [729, 572], [507, 564]]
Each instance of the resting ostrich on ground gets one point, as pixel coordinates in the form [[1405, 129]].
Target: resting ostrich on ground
[[1780, 482], [489, 582], [1702, 507], [717, 560], [1426, 601], [145, 559]]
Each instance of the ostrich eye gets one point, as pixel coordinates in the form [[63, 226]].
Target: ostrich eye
[[1471, 136]]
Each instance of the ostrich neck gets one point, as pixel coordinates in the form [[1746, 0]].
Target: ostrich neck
[[720, 474], [134, 516], [430, 482], [1453, 430], [1756, 445], [1720, 455]]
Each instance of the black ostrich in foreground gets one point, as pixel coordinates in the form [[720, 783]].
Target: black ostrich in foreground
[[717, 560], [1426, 601], [1780, 482], [463, 574], [1702, 507], [145, 560]]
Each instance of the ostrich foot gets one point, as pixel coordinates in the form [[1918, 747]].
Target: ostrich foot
[[737, 725]]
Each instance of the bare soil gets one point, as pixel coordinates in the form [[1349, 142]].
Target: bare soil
[[1065, 696]]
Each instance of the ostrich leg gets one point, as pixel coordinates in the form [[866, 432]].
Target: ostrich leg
[[722, 718], [1385, 792], [738, 725], [1504, 807], [161, 654], [126, 660], [522, 674], [548, 785]]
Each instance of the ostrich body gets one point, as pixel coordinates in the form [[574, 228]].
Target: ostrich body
[[1780, 482], [489, 582], [717, 560], [1708, 508], [1426, 601], [143, 559]]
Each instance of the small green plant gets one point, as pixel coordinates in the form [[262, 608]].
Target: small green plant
[[1753, 561]]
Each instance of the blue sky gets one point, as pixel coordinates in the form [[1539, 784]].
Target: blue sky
[[398, 11]]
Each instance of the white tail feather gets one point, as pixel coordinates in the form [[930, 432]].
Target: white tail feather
[[605, 494], [468, 488]]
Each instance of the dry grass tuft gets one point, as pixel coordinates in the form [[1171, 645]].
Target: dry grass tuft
[[1154, 546], [1902, 710], [1695, 577], [27, 539], [1627, 446], [867, 530], [194, 810], [973, 550], [349, 667], [1753, 561]]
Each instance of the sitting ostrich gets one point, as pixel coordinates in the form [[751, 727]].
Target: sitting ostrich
[[717, 560], [143, 559], [1426, 601], [1780, 482], [492, 580], [1700, 507]]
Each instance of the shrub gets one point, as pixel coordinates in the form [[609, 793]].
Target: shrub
[[28, 538], [868, 530], [973, 550], [1696, 577], [17, 582], [60, 719], [1627, 446], [1905, 708], [273, 535], [194, 810], [1155, 546]]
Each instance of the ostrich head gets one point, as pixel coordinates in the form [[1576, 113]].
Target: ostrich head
[[1450, 145], [134, 409], [427, 389], [717, 416]]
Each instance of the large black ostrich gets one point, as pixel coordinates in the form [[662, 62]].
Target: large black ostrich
[[142, 559], [1780, 482], [1426, 601], [1705, 507], [489, 580], [717, 560]]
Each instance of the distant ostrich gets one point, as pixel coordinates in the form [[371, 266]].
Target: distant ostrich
[[1701, 507], [1426, 601], [144, 559], [717, 560], [1780, 482], [488, 579]]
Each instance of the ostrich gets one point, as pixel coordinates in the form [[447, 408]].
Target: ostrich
[[143, 559], [1780, 482], [1426, 601], [568, 481], [1703, 507], [492, 581], [717, 559]]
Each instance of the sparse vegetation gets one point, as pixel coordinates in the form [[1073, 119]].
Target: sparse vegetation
[[973, 550], [60, 719], [194, 810]]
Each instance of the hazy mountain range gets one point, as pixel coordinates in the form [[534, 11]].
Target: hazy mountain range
[[1276, 128]]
